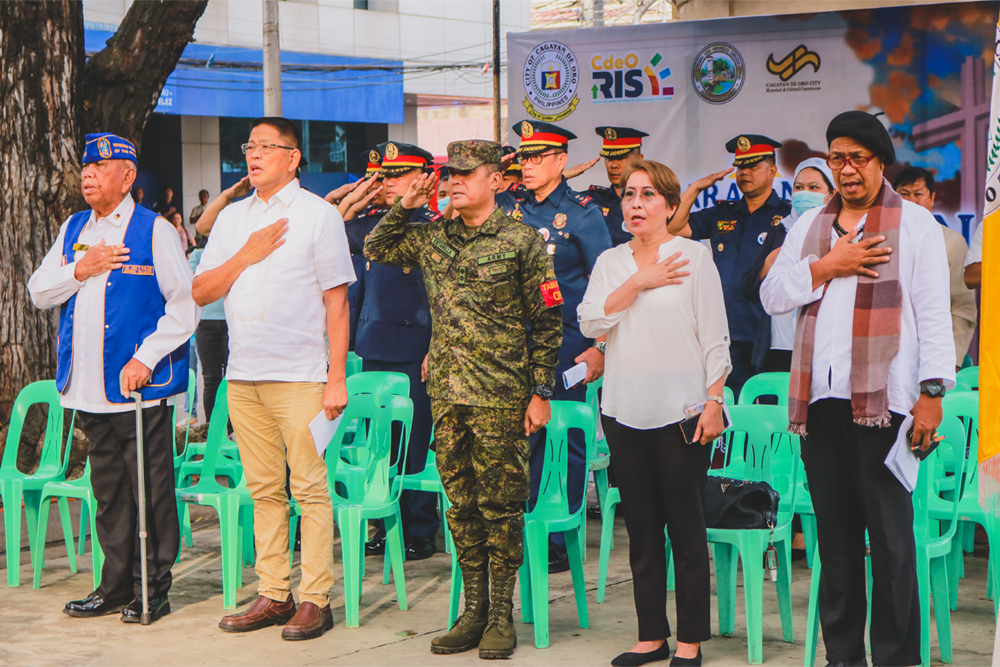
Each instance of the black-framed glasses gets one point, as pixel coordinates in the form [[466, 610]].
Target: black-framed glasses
[[537, 158], [856, 161], [266, 149]]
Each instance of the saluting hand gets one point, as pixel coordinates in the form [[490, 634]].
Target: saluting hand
[[335, 196], [237, 190], [99, 259], [662, 273], [712, 179], [264, 241], [573, 172], [420, 191]]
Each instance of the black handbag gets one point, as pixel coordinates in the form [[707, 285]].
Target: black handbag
[[739, 504]]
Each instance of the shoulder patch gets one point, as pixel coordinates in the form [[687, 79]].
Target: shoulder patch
[[436, 216], [581, 198]]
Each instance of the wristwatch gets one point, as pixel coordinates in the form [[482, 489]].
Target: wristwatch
[[546, 391], [601, 346], [718, 399], [933, 388]]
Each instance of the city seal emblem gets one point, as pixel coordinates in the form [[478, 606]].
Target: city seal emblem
[[551, 75], [718, 73]]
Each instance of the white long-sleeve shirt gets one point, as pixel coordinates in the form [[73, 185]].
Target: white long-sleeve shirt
[[665, 349], [926, 345], [54, 283]]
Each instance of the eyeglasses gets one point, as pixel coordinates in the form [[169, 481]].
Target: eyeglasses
[[647, 195], [857, 161], [266, 149], [536, 159]]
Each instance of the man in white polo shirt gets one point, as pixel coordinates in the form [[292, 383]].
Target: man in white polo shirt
[[280, 259]]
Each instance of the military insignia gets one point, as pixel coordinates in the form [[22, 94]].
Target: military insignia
[[374, 156], [526, 130], [743, 144], [605, 211], [551, 293], [104, 147], [725, 226], [496, 257], [550, 248], [406, 271], [391, 151], [776, 220], [761, 238], [721, 247], [544, 231], [368, 266], [610, 134], [559, 221], [436, 257], [81, 247], [517, 214], [137, 270]]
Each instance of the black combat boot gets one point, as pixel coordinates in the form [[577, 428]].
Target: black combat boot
[[500, 637], [469, 627]]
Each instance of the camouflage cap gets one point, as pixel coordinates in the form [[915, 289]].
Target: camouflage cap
[[469, 154]]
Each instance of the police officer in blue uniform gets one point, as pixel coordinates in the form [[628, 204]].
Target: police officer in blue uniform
[[358, 228], [622, 146], [736, 230], [394, 335], [575, 235]]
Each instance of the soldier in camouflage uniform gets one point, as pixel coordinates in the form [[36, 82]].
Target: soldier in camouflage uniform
[[497, 328]]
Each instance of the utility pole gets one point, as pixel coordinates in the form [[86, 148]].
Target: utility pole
[[497, 130], [272, 60]]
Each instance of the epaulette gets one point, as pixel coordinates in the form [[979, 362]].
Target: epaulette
[[518, 190], [599, 189], [580, 198], [436, 216], [728, 202]]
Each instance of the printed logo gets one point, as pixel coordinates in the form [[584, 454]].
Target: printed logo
[[551, 76], [718, 73], [620, 79], [104, 147], [790, 65]]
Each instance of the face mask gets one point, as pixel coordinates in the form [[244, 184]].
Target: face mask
[[803, 200], [443, 203]]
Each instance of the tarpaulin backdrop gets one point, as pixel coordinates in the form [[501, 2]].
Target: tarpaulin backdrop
[[694, 85]]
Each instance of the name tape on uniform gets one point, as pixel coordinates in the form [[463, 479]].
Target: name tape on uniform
[[496, 257], [137, 270]]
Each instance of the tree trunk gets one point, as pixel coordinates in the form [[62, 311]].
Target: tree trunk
[[48, 99], [122, 83], [41, 60]]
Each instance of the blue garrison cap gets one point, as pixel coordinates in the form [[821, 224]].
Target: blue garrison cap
[[107, 146]]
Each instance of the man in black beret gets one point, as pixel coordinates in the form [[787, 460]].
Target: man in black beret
[[874, 353]]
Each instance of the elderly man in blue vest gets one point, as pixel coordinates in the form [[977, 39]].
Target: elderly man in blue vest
[[118, 274]]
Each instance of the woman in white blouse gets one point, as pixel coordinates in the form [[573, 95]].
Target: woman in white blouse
[[659, 300]]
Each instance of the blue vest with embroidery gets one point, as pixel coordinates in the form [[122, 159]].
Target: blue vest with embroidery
[[133, 305]]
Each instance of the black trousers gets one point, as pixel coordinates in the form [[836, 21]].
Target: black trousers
[[852, 489], [113, 475], [212, 338], [662, 483], [417, 509]]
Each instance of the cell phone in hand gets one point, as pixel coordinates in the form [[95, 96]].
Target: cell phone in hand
[[922, 454]]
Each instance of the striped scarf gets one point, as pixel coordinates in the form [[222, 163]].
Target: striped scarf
[[877, 319]]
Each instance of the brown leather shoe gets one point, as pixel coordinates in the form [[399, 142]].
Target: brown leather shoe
[[310, 621], [262, 613]]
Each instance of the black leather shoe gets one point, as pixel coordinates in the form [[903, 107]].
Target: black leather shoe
[[630, 659], [420, 548], [157, 607], [93, 605], [687, 662], [376, 545], [558, 560]]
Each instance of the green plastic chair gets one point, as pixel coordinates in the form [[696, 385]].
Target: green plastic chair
[[82, 490], [765, 384], [967, 379], [16, 485], [379, 498], [598, 464], [770, 454], [370, 382], [551, 515], [933, 548], [234, 506], [353, 364]]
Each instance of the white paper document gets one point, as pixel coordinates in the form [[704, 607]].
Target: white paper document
[[323, 430], [901, 461], [575, 375]]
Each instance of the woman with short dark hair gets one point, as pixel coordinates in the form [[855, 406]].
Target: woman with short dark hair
[[659, 300]]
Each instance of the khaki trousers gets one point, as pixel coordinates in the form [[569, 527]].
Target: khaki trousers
[[271, 420]]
